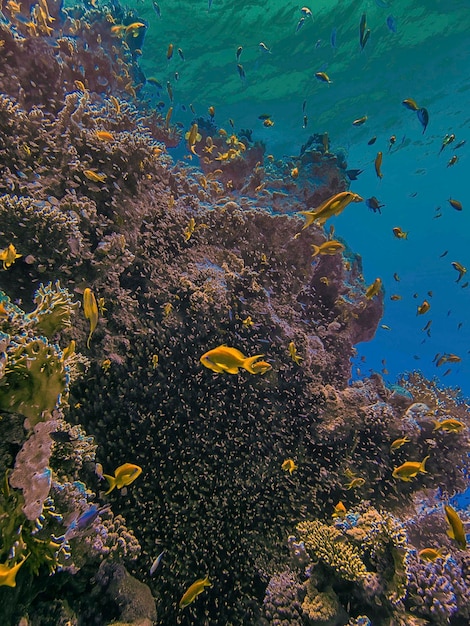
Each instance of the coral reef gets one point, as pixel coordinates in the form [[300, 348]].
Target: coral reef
[[47, 523], [388, 581], [181, 260]]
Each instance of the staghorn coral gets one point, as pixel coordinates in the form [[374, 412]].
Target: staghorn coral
[[326, 544]]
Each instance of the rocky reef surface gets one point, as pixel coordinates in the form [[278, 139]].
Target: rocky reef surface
[[181, 259]]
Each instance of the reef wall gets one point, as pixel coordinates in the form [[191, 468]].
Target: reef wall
[[182, 259]]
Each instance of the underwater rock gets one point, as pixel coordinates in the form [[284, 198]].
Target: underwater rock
[[129, 600]]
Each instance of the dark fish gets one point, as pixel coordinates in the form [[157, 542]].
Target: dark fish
[[157, 8], [392, 24], [300, 24], [353, 174], [362, 28], [239, 51], [372, 141], [61, 436], [264, 116], [304, 105], [366, 39], [374, 204], [180, 52], [241, 71], [423, 117], [305, 122], [169, 90], [333, 37]]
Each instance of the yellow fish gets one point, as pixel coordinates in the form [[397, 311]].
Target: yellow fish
[[123, 476], [360, 121], [332, 206], [323, 77], [398, 443], [193, 591], [456, 530], [8, 573], [225, 360], [340, 510], [104, 135], [374, 289], [410, 104], [90, 309], [449, 426], [288, 466], [96, 177], [260, 367], [134, 28], [193, 136], [355, 482], [188, 231], [423, 308], [8, 256], [399, 233], [410, 470], [293, 353], [460, 269], [430, 554], [327, 247]]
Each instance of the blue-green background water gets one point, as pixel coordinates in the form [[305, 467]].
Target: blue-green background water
[[425, 59]]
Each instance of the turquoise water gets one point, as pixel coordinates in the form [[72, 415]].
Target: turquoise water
[[425, 59]]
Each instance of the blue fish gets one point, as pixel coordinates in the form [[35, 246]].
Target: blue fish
[[300, 24], [89, 516], [382, 4], [209, 5], [156, 563], [156, 8], [333, 37], [423, 117], [392, 24]]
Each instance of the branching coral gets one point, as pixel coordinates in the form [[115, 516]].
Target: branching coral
[[327, 544]]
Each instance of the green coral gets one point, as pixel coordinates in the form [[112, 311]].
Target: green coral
[[327, 544], [34, 376], [53, 311], [34, 379]]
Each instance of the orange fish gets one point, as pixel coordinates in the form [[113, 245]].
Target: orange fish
[[378, 165]]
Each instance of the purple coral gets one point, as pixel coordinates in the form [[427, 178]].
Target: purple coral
[[283, 600], [32, 473]]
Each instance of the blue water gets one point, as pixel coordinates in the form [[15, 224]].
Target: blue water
[[424, 57]]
